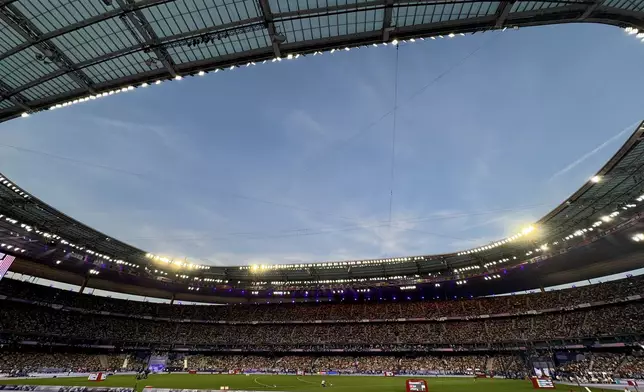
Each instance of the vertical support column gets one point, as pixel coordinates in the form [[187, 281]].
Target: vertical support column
[[80, 291], [173, 298]]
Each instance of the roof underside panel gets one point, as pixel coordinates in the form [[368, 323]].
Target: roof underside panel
[[50, 15], [630, 5], [281, 6], [59, 85], [185, 16], [96, 40], [8, 39], [5, 104], [22, 68], [121, 67], [103, 45], [236, 44], [320, 27], [429, 13]]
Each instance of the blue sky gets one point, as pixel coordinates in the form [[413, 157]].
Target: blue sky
[[291, 161]]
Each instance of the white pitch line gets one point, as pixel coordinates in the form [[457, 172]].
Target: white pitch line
[[262, 384], [308, 382]]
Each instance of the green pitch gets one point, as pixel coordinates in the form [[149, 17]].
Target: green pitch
[[295, 383]]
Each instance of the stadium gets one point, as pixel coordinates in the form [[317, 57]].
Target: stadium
[[482, 317]]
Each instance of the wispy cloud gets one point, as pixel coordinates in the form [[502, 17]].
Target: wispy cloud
[[592, 152]]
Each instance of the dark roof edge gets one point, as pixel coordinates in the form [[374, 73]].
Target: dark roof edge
[[635, 139]]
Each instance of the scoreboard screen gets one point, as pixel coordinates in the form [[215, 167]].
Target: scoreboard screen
[[416, 386]]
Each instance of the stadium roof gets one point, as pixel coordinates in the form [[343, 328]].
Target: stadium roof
[[58, 52]]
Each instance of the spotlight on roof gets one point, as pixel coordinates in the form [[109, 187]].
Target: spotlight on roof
[[527, 230], [279, 38], [595, 179], [638, 237]]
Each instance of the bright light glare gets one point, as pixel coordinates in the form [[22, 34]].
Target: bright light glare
[[596, 179], [527, 230]]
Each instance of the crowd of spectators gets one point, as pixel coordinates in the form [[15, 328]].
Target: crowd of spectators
[[11, 361], [632, 366], [368, 347], [513, 304], [78, 362], [602, 367], [467, 364], [32, 320], [588, 367]]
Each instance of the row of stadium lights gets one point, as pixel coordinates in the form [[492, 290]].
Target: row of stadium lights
[[544, 247], [336, 264], [493, 263], [176, 262], [12, 248], [14, 222], [4, 181], [607, 218], [637, 33], [333, 281], [14, 188], [50, 236], [515, 237], [291, 56], [604, 219]]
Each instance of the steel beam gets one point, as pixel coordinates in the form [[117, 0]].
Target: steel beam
[[270, 26], [502, 13], [590, 9], [148, 38], [16, 99], [22, 26], [386, 20], [142, 4]]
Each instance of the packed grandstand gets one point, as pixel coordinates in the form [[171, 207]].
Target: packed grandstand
[[590, 332]]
